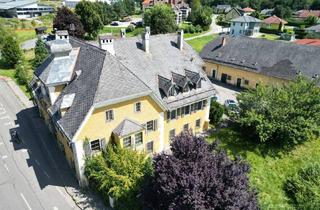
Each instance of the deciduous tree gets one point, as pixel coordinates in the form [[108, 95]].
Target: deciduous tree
[[198, 176]]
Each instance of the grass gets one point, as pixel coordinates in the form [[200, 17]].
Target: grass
[[269, 172], [10, 72], [185, 25], [271, 37], [115, 31], [200, 42], [25, 34]]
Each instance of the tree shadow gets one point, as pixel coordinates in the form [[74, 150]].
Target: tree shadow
[[4, 65]]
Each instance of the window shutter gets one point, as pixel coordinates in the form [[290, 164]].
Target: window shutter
[[155, 125], [87, 150], [103, 143]]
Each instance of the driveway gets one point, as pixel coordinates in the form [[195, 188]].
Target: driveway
[[29, 44], [225, 91]]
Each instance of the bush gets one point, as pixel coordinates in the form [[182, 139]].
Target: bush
[[11, 51], [198, 29], [295, 22], [216, 112], [130, 28], [21, 73], [300, 33], [269, 31], [303, 188]]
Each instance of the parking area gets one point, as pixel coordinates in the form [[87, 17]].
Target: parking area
[[225, 91]]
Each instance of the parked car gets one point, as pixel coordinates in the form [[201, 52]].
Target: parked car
[[114, 23], [229, 103]]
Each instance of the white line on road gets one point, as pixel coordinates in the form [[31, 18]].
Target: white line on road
[[6, 167], [45, 173], [4, 117], [26, 202], [4, 157], [37, 162]]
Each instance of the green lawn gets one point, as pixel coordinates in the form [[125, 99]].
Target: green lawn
[[271, 37], [115, 31], [199, 43], [269, 172]]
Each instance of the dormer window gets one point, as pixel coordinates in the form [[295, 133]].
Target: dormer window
[[172, 91]]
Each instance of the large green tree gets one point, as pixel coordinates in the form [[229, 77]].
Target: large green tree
[[64, 18], [285, 115], [119, 173], [161, 19], [40, 52], [11, 51], [202, 17], [89, 17]]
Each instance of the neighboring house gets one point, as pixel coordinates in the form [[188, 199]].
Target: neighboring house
[[180, 8], [267, 12], [234, 13], [311, 42], [273, 22], [314, 29], [222, 9], [245, 25], [73, 3], [137, 92], [23, 8], [304, 14], [247, 62], [248, 11]]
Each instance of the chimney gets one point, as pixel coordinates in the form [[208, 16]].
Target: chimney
[[224, 41], [59, 48], [180, 40], [106, 43], [62, 35], [146, 40], [123, 33]]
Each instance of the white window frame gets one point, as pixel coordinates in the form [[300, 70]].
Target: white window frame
[[198, 126], [136, 105], [130, 142], [154, 125], [109, 116], [150, 142], [187, 124], [135, 142], [99, 145]]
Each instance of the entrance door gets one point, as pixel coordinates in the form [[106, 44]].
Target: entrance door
[[224, 78], [238, 82], [213, 74]]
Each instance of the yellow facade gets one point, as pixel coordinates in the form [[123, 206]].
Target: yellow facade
[[247, 79]]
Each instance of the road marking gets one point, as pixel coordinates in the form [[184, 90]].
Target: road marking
[[55, 208], [26, 202], [4, 157], [6, 167], [45, 173], [4, 117], [8, 123], [37, 162]]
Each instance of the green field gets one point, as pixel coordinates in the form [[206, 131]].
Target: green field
[[115, 31], [269, 169], [269, 36], [200, 42]]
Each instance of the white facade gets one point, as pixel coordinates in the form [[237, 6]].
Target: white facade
[[73, 3], [244, 28]]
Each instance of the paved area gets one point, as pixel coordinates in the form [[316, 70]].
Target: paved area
[[34, 174], [29, 44], [225, 91]]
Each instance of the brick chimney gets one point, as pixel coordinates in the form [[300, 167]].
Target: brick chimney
[[106, 43], [180, 39], [146, 40]]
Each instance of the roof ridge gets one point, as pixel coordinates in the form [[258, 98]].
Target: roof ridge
[[82, 42]]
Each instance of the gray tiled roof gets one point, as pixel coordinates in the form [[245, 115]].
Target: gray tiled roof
[[246, 19], [107, 79], [127, 127], [315, 28], [273, 58]]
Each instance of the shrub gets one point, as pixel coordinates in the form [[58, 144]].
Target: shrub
[[216, 112], [130, 28], [198, 176], [21, 73], [303, 188], [40, 52], [11, 51], [269, 31], [198, 29]]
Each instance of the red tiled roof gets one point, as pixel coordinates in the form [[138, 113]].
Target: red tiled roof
[[146, 2], [248, 9], [312, 42], [307, 13], [274, 20]]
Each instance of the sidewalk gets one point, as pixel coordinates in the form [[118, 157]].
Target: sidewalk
[[86, 199]]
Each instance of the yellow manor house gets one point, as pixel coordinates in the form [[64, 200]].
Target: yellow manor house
[[137, 92], [246, 62]]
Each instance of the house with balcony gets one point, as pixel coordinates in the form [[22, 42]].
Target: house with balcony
[[245, 25], [136, 92]]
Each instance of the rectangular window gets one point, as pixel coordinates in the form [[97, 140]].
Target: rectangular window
[[95, 145], [138, 139], [152, 125], [182, 111], [246, 82], [137, 107], [198, 122], [178, 112], [229, 77], [150, 146], [127, 142], [173, 114], [192, 107], [172, 134], [109, 115], [168, 115], [204, 104], [186, 127], [199, 105], [187, 110]]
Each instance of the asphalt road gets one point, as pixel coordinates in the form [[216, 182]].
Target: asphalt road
[[33, 173]]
